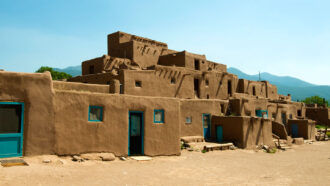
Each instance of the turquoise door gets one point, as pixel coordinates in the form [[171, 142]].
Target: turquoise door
[[206, 126], [294, 130], [135, 133], [11, 129], [219, 134]]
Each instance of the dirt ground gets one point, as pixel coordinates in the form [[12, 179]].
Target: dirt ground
[[307, 164]]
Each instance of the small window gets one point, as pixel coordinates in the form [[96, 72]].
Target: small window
[[207, 96], [207, 82], [108, 82], [173, 81], [138, 84], [121, 89], [158, 116], [188, 120], [95, 113], [290, 116], [274, 115]]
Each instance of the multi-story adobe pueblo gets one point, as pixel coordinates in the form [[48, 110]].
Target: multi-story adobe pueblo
[[142, 98]]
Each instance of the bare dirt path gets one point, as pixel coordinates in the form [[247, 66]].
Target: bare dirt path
[[303, 165]]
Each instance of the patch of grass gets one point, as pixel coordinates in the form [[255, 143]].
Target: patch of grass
[[328, 134], [320, 126], [203, 151], [272, 150]]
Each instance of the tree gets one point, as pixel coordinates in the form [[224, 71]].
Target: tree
[[315, 100], [55, 74]]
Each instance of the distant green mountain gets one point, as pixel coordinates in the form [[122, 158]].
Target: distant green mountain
[[72, 70], [285, 84], [298, 89]]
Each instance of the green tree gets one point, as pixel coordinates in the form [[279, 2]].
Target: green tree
[[315, 100], [55, 74]]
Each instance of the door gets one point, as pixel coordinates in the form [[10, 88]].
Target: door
[[11, 129], [135, 141], [219, 134], [206, 126], [294, 130]]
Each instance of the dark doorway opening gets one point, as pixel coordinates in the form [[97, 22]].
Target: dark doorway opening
[[135, 145], [229, 88], [91, 69], [299, 112], [196, 87], [254, 90], [197, 64]]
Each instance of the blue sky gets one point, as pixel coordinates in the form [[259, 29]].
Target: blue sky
[[282, 37]]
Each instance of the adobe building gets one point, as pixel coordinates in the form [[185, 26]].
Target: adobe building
[[141, 98]]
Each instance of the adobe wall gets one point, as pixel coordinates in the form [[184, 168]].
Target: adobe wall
[[232, 129], [287, 108], [158, 83], [195, 109], [320, 115], [97, 63], [35, 90], [306, 128], [101, 78], [143, 51], [244, 132], [247, 87], [247, 106], [75, 134], [73, 86]]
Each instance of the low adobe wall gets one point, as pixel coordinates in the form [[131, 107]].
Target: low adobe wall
[[35, 90], [60, 85], [75, 134], [244, 132], [306, 128]]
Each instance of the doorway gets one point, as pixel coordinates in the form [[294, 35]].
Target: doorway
[[206, 126], [196, 87], [11, 129], [135, 133], [294, 130], [219, 134]]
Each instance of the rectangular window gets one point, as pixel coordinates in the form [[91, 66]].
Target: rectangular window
[[158, 116], [95, 113], [188, 120], [121, 89], [10, 118], [138, 84]]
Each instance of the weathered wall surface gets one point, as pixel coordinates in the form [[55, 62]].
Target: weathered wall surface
[[195, 109], [306, 128], [75, 134], [158, 83], [60, 85], [245, 132], [320, 115], [35, 90]]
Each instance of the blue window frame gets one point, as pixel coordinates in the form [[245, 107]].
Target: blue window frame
[[95, 113], [158, 116]]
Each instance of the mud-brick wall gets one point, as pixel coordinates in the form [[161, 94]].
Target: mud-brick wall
[[306, 128], [75, 134], [35, 90], [195, 109], [244, 132]]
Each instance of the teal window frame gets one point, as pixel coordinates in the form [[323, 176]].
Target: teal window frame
[[163, 115], [101, 113]]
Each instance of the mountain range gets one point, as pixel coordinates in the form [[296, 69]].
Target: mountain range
[[298, 89]]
